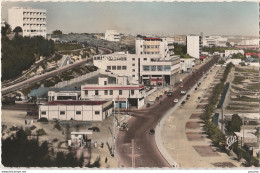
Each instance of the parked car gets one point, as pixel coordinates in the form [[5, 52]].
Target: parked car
[[123, 127], [176, 101], [183, 92], [152, 131], [94, 129]]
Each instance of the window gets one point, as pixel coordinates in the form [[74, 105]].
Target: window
[[96, 92], [133, 70], [86, 92], [132, 92], [118, 67], [111, 92], [148, 46], [153, 68], [62, 112], [120, 92], [108, 67], [113, 67], [146, 68], [133, 64], [96, 112], [78, 112], [159, 68], [145, 59], [133, 59], [106, 92], [141, 46], [105, 82], [43, 112], [133, 75], [152, 46], [124, 67], [167, 68]]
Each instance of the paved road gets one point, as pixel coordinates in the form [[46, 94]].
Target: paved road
[[35, 79], [146, 151]]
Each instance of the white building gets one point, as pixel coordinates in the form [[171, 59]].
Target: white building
[[149, 46], [63, 95], [249, 42], [218, 41], [76, 110], [186, 64], [112, 35], [148, 68], [32, 21], [121, 92], [231, 52], [194, 46]]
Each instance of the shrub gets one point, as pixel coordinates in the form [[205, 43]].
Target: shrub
[[43, 120], [57, 126], [14, 128], [40, 132]]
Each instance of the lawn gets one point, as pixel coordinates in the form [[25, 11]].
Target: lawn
[[238, 80], [245, 99]]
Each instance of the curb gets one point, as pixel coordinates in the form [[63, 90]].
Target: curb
[[158, 129]]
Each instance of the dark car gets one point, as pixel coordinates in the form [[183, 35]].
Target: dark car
[[152, 131], [123, 127], [94, 129]]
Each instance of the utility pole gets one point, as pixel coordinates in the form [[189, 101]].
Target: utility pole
[[113, 134], [243, 130], [133, 154]]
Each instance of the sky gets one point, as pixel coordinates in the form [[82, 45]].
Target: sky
[[174, 18]]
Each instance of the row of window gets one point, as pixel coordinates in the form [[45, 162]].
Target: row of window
[[116, 67], [150, 46], [63, 112], [111, 92], [156, 68], [34, 30], [34, 13], [34, 19], [34, 25], [148, 53]]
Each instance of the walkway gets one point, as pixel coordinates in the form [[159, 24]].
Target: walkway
[[183, 137]]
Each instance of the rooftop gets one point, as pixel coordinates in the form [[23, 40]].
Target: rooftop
[[76, 102]]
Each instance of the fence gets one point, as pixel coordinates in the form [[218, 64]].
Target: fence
[[76, 80]]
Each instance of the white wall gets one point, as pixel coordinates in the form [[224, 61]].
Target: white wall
[[193, 46]]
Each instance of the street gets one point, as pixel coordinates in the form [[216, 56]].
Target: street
[[145, 150]]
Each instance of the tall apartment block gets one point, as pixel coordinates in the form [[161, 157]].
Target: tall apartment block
[[194, 44], [32, 21]]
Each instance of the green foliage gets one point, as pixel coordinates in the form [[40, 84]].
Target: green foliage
[[6, 30], [19, 151], [238, 80], [28, 132], [57, 32], [180, 49], [216, 49], [238, 56], [234, 125], [57, 126], [245, 99], [17, 29], [66, 46], [21, 53], [40, 132], [222, 62]]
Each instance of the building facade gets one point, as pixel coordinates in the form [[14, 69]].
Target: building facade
[[231, 52], [121, 92], [186, 64], [32, 21], [150, 69], [112, 35], [218, 41], [76, 110], [194, 44], [150, 46]]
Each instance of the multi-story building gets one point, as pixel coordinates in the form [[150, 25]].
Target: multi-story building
[[231, 52], [150, 46], [194, 44], [186, 64], [218, 41], [150, 69], [120, 91], [32, 21], [112, 35]]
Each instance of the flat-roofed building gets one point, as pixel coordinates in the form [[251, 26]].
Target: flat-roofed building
[[112, 35], [32, 21], [76, 110], [194, 44]]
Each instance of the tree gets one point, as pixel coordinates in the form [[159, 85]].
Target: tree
[[17, 30], [235, 124], [5, 30], [57, 32], [228, 44]]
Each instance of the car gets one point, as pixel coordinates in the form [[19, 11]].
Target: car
[[152, 131], [123, 127], [181, 86], [183, 92], [175, 100]]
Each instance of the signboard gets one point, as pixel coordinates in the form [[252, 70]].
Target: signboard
[[111, 58]]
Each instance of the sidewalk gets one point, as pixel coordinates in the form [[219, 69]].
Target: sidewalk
[[183, 137]]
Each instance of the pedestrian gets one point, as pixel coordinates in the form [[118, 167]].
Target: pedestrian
[[106, 160], [102, 144]]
